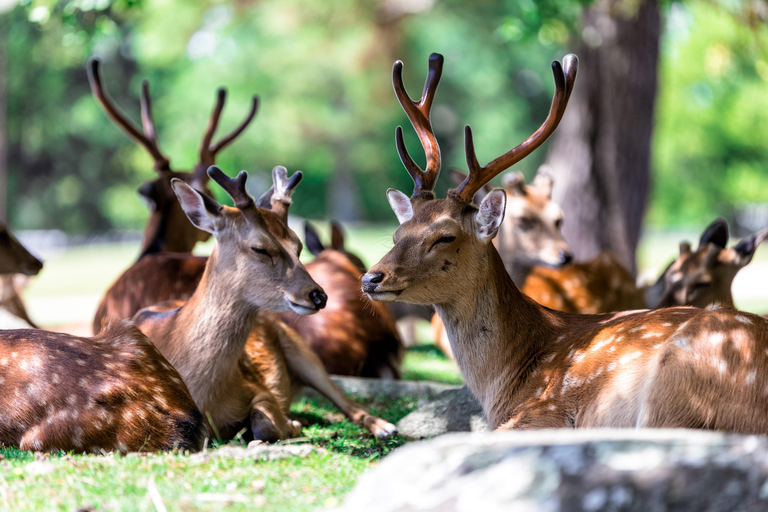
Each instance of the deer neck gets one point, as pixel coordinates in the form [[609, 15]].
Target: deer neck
[[210, 333], [496, 334], [514, 265]]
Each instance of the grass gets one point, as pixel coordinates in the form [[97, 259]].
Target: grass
[[116, 483], [426, 362]]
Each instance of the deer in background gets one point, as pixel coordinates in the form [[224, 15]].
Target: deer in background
[[532, 367], [704, 276], [114, 391], [15, 262], [352, 335], [238, 359]]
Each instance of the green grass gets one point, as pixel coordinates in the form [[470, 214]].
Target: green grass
[[426, 362], [117, 483]]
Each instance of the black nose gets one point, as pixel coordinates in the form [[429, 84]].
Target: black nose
[[565, 257], [371, 279], [318, 298]]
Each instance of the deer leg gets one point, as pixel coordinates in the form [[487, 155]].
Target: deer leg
[[306, 366], [268, 422]]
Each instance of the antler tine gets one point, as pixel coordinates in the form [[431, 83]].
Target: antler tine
[[149, 141], [480, 175], [235, 187], [237, 131], [419, 115], [213, 123]]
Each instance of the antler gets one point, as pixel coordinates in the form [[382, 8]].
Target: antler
[[207, 150], [418, 113], [278, 197], [235, 187], [479, 176], [149, 138]]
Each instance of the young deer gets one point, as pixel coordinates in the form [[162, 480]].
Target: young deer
[[531, 367], [352, 335], [15, 259], [238, 360], [168, 228], [704, 276], [110, 392]]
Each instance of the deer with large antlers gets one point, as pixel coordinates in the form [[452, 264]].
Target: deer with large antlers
[[238, 359], [531, 367], [112, 392], [704, 276]]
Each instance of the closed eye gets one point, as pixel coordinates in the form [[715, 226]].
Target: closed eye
[[443, 240], [259, 250]]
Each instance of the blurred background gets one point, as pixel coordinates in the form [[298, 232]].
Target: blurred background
[[667, 128]]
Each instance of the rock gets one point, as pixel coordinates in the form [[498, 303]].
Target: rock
[[257, 452], [392, 389], [454, 410], [571, 470]]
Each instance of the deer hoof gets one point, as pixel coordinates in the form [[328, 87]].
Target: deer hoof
[[380, 428]]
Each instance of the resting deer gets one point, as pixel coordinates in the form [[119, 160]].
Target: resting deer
[[110, 392], [531, 367], [238, 359], [352, 335], [704, 276], [15, 262]]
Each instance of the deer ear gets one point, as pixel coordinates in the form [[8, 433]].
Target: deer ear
[[202, 211], [544, 180], [337, 236], [716, 233], [314, 245], [514, 182], [490, 215], [401, 205]]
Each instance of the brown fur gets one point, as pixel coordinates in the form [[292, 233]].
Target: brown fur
[[114, 391], [531, 367]]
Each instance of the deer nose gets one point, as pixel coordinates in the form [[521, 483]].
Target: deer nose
[[371, 279], [566, 257], [318, 298]]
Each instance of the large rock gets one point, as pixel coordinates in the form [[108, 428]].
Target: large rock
[[378, 388], [571, 470], [454, 410]]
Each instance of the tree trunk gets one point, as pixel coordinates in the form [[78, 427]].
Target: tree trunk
[[3, 123], [600, 155]]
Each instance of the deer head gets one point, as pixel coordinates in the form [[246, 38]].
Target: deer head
[[439, 241], [167, 228], [256, 251], [704, 276], [14, 257]]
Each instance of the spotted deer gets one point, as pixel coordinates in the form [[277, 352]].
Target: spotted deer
[[704, 276], [532, 367], [16, 262], [352, 335], [112, 392], [238, 359]]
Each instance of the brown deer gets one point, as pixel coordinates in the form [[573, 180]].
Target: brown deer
[[532, 367], [704, 276], [112, 392], [15, 263], [238, 359], [352, 335], [167, 229]]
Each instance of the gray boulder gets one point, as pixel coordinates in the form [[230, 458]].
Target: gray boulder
[[571, 470], [454, 410], [377, 388]]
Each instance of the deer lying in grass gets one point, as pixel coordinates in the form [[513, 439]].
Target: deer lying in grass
[[704, 276], [15, 260], [352, 335], [167, 229], [240, 361], [531, 367], [110, 392]]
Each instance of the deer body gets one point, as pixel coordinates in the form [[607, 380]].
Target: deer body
[[112, 392]]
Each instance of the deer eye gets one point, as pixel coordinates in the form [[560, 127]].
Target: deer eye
[[700, 285], [526, 224], [559, 223], [443, 240], [264, 252]]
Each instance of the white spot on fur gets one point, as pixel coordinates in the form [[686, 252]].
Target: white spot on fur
[[652, 335], [666, 324], [551, 407], [611, 367], [743, 319], [600, 344], [750, 377]]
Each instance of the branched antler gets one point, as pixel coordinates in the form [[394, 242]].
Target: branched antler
[[235, 187]]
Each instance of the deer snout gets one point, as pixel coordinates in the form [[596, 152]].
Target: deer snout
[[371, 281], [566, 257], [318, 298]]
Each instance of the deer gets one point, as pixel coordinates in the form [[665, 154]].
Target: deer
[[239, 361], [704, 276], [167, 230], [352, 335], [533, 367], [15, 263], [112, 392]]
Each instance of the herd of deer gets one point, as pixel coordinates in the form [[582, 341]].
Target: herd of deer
[[187, 346]]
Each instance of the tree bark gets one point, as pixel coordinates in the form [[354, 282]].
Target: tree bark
[[3, 123], [601, 153]]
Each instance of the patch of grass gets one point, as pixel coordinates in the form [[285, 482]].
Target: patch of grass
[[427, 362], [111, 482]]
